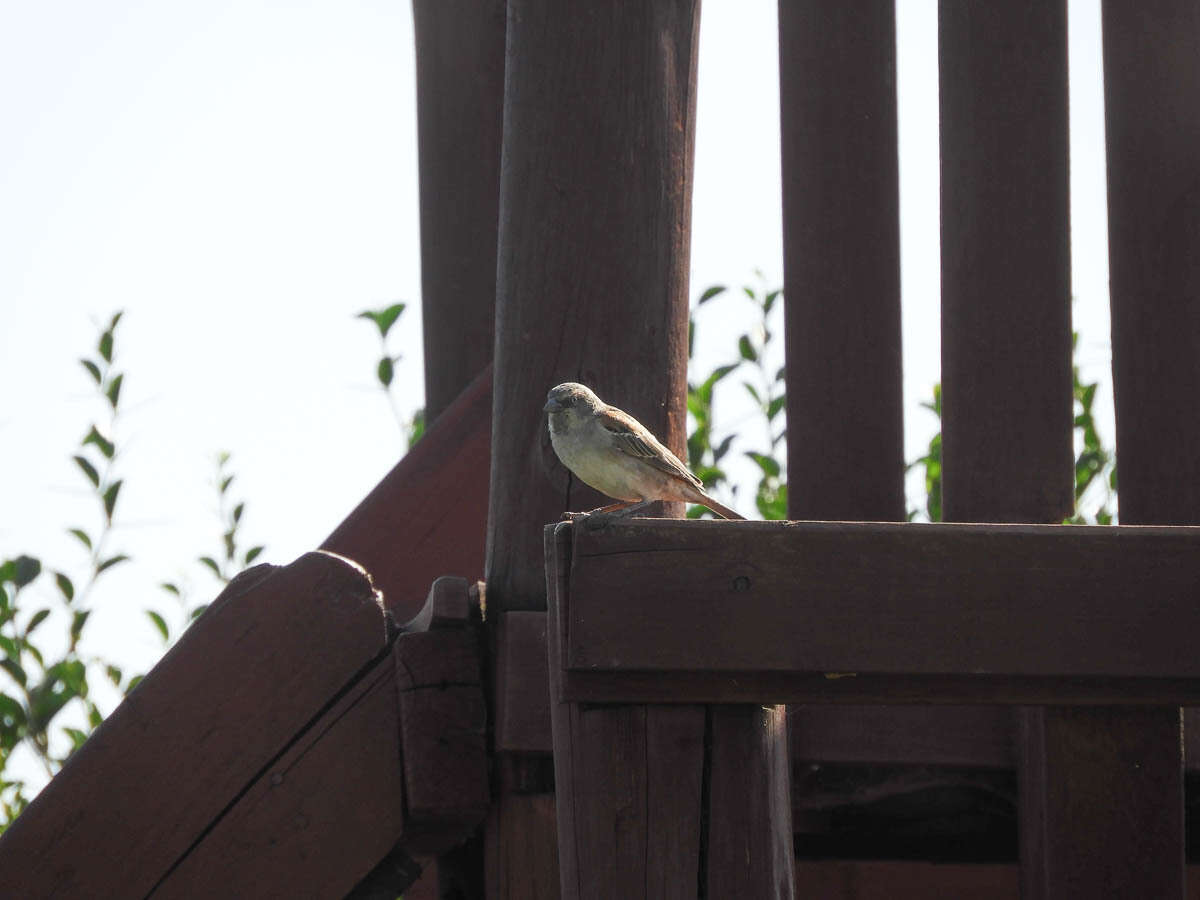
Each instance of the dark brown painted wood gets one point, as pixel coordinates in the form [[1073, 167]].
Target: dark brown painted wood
[[1006, 277], [662, 595], [272, 651], [1152, 125], [841, 232], [317, 819], [522, 686], [749, 785], [460, 101], [595, 210], [427, 516], [842, 291], [443, 721], [629, 783]]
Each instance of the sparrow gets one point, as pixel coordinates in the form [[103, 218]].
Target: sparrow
[[610, 450]]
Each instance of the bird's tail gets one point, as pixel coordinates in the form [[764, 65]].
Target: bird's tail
[[720, 509]]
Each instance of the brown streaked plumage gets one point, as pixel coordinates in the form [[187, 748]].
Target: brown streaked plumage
[[611, 451]]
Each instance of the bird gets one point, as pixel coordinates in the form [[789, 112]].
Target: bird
[[611, 451]]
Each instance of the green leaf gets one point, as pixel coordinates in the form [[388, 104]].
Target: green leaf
[[110, 498], [722, 448], [171, 588], [210, 563], [237, 512], [770, 299], [385, 371], [65, 587], [78, 622], [82, 536], [753, 391], [253, 553], [133, 682], [160, 623], [110, 562], [77, 737], [38, 618], [775, 406], [112, 326], [224, 484], [106, 346], [93, 370], [384, 318], [781, 375], [769, 466], [746, 349], [114, 391], [197, 612], [103, 444], [714, 291], [25, 570], [88, 469], [416, 430], [13, 668], [114, 674]]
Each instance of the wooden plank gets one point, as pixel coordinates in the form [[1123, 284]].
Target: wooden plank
[[749, 850], [841, 235], [522, 701], [1006, 276], [460, 103], [427, 516], [1152, 85], [250, 674], [629, 785], [592, 283], [314, 821], [1152, 129], [1115, 602], [1121, 839]]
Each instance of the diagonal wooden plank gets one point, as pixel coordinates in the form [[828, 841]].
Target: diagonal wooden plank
[[316, 820], [246, 678], [427, 516]]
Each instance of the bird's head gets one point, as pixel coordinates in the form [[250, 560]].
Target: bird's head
[[569, 402]]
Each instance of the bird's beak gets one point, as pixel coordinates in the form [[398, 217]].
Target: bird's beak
[[552, 405]]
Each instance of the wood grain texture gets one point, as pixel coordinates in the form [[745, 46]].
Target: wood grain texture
[[749, 850], [460, 104], [629, 787], [1006, 277], [877, 598], [1152, 129], [595, 210], [1109, 822], [841, 234], [316, 820], [427, 516], [522, 687], [251, 674]]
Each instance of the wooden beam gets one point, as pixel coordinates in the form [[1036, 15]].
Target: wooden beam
[[205, 730], [909, 613], [428, 515], [460, 103]]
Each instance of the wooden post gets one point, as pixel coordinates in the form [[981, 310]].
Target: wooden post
[[460, 90], [592, 286]]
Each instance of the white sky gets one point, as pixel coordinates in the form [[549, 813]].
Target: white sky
[[240, 179]]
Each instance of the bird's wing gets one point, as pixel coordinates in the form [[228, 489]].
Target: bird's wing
[[632, 437]]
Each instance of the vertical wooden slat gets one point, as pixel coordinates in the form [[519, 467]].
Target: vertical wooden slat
[[460, 90], [1152, 123], [1006, 280], [841, 228], [841, 233]]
